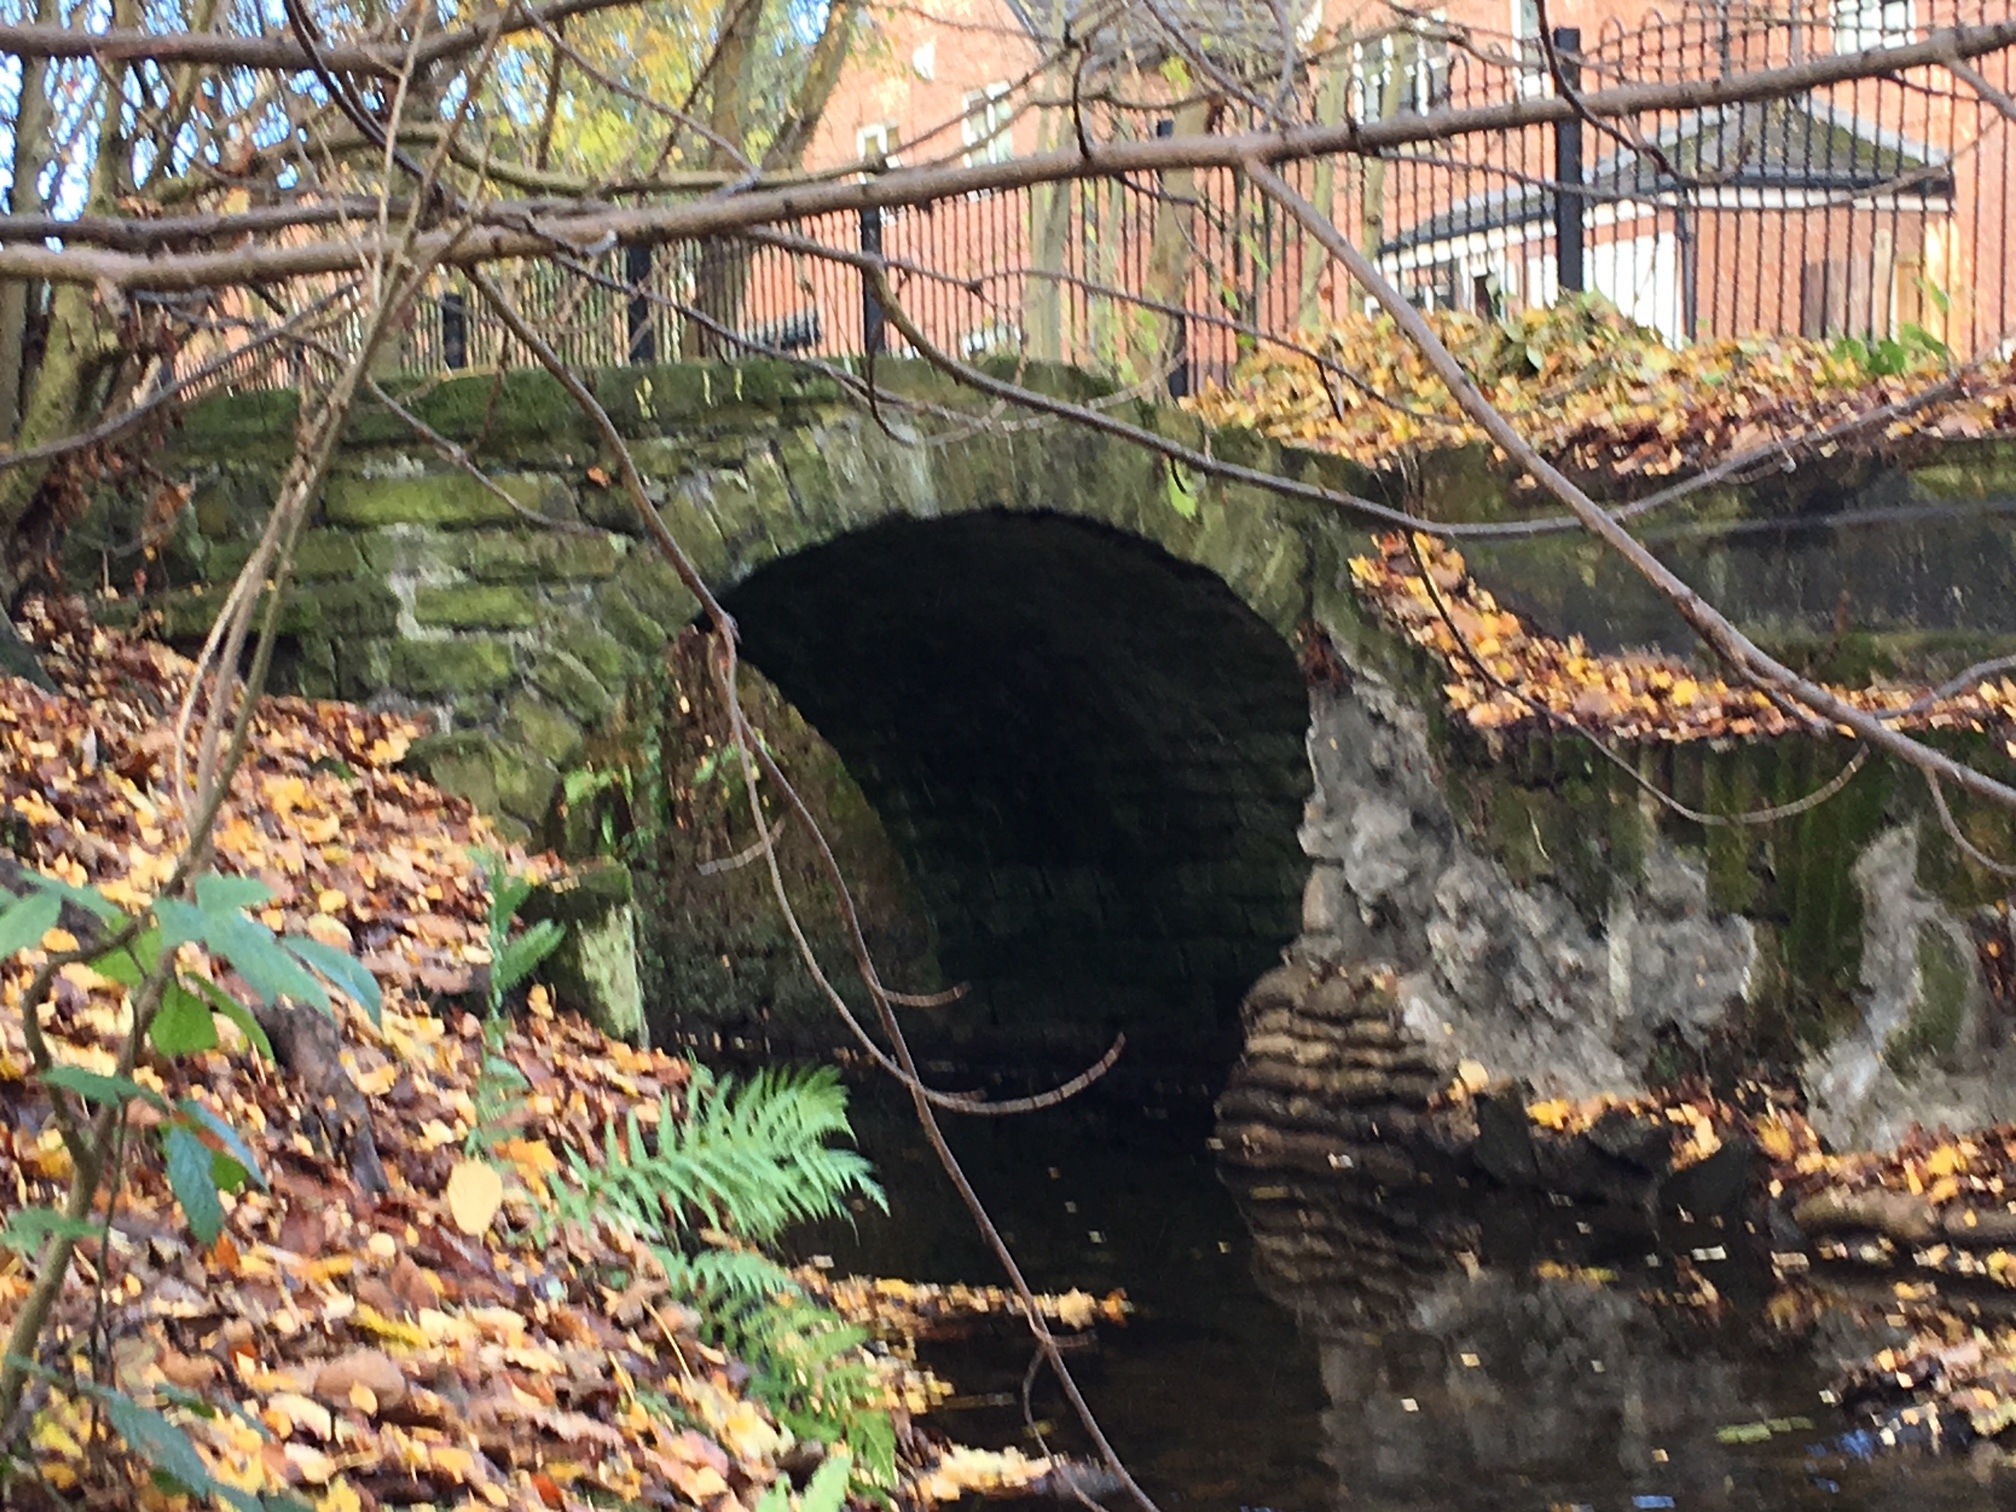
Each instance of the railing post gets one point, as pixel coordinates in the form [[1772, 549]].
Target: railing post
[[1568, 259], [454, 330], [643, 334], [1179, 325], [874, 337]]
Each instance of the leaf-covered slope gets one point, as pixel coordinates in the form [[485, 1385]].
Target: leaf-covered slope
[[1598, 394], [1503, 674], [353, 1351]]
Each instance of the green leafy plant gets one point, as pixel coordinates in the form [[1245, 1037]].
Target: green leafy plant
[[205, 1158], [745, 1163], [513, 959], [1911, 348]]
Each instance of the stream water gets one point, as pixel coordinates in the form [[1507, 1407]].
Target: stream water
[[1300, 1345]]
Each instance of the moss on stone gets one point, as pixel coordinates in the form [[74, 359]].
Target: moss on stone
[[526, 782], [618, 613], [458, 763], [510, 557], [444, 668], [441, 500], [1931, 1030], [477, 606], [530, 721], [613, 664], [570, 685]]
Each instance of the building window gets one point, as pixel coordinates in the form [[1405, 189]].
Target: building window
[[877, 143], [1862, 24], [1529, 56], [1402, 73], [985, 126]]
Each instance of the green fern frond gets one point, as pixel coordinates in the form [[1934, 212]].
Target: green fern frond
[[744, 1162]]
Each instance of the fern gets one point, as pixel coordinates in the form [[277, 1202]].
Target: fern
[[746, 1162], [750, 1160], [511, 962]]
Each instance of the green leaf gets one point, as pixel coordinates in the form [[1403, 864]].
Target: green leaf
[[87, 898], [351, 976], [27, 920], [183, 1025], [1182, 492], [129, 964], [28, 1229], [96, 1087], [156, 1440], [180, 922], [255, 953], [827, 1491], [234, 1146], [193, 1179], [218, 895], [222, 1002]]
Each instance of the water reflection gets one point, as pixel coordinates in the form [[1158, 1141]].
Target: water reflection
[[1306, 1343], [1476, 1357]]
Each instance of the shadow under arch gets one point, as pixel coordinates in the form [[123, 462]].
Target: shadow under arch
[[1089, 755]]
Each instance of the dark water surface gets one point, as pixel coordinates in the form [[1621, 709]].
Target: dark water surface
[[1362, 1354]]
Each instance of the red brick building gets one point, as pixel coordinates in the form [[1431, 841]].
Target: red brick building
[[1853, 209]]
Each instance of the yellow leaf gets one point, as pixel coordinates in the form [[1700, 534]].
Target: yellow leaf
[[475, 1192], [340, 1498]]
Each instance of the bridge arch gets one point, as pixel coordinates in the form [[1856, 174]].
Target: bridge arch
[[1524, 908], [1132, 732]]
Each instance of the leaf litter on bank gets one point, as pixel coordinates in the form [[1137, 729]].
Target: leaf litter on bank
[[357, 1352]]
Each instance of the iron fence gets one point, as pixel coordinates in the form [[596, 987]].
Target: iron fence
[[1859, 209]]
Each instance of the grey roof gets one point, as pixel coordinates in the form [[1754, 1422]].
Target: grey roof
[[1782, 145], [1239, 37]]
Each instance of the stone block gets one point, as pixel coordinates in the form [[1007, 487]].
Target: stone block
[[618, 613], [442, 500], [459, 763], [530, 721], [354, 606], [362, 667], [443, 668], [478, 606], [656, 588], [319, 556], [613, 663], [594, 970], [571, 686], [520, 557], [526, 783]]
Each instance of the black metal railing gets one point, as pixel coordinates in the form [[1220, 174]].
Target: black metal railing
[[1856, 209]]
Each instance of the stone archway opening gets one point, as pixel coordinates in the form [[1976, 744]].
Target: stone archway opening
[[1089, 756]]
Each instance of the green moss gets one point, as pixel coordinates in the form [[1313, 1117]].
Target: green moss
[[441, 501], [571, 686], [441, 668], [1932, 1029], [459, 763], [531, 722], [526, 782], [478, 606], [511, 557]]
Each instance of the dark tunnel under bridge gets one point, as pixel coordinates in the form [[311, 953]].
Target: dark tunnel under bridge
[[1089, 756]]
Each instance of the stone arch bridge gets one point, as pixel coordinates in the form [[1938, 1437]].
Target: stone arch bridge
[[1069, 685]]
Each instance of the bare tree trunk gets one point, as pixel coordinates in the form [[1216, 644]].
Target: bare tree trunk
[[1049, 225], [723, 271], [1168, 274], [1330, 101], [78, 341], [32, 151]]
